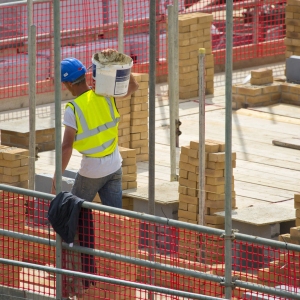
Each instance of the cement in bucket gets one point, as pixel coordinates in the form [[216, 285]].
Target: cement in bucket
[[111, 74]]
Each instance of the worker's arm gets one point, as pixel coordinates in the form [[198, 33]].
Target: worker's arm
[[132, 86], [67, 149]]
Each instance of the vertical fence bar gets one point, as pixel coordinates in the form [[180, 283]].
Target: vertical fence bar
[[32, 91], [51, 39], [201, 135], [171, 83], [32, 105], [151, 180], [228, 147], [120, 26], [58, 151], [176, 69]]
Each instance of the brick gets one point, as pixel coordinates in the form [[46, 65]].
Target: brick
[[187, 166], [15, 171], [183, 157], [211, 147], [183, 173], [249, 91], [271, 89], [187, 183], [258, 99], [214, 219], [218, 189], [140, 128], [261, 81], [187, 215], [13, 153], [188, 199], [214, 172], [185, 150], [261, 73], [219, 157], [217, 203]]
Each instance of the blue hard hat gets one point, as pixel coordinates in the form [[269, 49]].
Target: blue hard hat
[[71, 69]]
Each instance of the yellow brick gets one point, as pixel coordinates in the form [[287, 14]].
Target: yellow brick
[[220, 157], [188, 199], [261, 81], [261, 73], [249, 91]]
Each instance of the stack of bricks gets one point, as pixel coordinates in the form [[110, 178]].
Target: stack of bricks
[[123, 105], [188, 210], [244, 95], [118, 235], [282, 270], [297, 208], [139, 118], [129, 168], [194, 33], [45, 139], [261, 76], [14, 166], [292, 40]]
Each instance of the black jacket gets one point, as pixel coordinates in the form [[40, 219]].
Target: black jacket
[[63, 215]]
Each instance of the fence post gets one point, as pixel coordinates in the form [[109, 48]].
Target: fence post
[[32, 105], [58, 150], [32, 91], [201, 68], [171, 83], [120, 26]]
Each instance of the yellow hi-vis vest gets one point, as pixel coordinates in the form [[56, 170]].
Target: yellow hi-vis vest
[[97, 121]]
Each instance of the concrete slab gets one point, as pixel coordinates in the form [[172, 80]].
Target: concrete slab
[[165, 192], [262, 215]]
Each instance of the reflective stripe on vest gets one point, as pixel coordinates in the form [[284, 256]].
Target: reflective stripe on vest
[[98, 148], [90, 132]]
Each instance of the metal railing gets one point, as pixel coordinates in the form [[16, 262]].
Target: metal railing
[[151, 265]]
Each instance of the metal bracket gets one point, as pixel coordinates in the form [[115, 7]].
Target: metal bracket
[[231, 236], [232, 284]]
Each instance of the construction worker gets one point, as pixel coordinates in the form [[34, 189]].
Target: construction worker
[[91, 127]]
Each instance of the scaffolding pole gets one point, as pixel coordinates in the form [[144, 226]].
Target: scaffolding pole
[[151, 180], [228, 149], [58, 151], [201, 135], [172, 100], [32, 93], [120, 26]]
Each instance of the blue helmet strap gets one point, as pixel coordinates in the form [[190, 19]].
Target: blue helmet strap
[[81, 78]]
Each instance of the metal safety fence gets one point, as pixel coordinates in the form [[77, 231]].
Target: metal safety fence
[[122, 254], [88, 26]]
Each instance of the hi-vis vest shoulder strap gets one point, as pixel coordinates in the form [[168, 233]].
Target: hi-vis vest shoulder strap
[[97, 121]]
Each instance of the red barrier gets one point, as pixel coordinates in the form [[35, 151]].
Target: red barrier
[[88, 26], [125, 236]]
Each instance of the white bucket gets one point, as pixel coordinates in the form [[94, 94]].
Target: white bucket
[[111, 78]]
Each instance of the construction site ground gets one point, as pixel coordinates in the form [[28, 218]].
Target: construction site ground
[[265, 174]]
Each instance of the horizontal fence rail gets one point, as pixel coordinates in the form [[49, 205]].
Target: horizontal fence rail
[[112, 261]]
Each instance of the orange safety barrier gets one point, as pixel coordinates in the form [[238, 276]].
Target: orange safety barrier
[[89, 26], [130, 237]]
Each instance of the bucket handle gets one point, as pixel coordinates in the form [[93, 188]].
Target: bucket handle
[[91, 66]]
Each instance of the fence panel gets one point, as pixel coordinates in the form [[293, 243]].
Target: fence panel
[[173, 247], [90, 25]]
